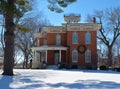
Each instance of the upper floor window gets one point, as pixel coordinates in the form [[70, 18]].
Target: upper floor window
[[75, 38], [88, 38], [88, 56], [38, 42], [58, 40], [45, 42], [74, 55]]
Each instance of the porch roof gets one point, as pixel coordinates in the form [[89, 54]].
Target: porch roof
[[49, 48]]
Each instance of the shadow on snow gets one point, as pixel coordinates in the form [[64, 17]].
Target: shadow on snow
[[29, 83], [87, 84]]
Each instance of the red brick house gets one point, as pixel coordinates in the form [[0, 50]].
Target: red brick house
[[73, 43]]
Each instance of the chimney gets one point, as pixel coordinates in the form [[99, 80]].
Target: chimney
[[94, 20]]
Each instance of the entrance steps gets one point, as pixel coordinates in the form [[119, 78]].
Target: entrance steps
[[54, 67]]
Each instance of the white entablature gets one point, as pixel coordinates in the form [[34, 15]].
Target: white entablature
[[72, 18]]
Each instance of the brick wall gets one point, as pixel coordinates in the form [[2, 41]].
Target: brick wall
[[81, 40], [66, 40]]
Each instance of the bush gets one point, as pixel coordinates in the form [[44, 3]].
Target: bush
[[89, 67], [103, 68], [61, 65], [74, 67], [117, 69]]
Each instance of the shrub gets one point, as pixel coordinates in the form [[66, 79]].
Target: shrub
[[74, 67], [117, 69], [103, 68], [61, 65], [89, 67]]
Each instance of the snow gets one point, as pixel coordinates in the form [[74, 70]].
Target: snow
[[60, 79]]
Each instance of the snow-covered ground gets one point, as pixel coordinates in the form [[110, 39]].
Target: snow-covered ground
[[61, 79]]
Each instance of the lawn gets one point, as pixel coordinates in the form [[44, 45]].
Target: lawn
[[60, 79]]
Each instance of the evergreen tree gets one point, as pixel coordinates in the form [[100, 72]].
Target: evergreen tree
[[11, 10]]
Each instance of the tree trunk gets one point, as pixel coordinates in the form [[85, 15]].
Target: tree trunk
[[9, 39], [26, 62], [8, 54], [109, 56]]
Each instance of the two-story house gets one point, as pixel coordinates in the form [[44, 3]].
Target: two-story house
[[73, 43]]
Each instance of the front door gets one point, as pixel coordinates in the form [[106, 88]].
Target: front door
[[56, 58]]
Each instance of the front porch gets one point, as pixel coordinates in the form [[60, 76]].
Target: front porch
[[48, 55]]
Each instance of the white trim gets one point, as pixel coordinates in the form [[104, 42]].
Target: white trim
[[49, 48], [46, 57], [83, 27], [59, 55]]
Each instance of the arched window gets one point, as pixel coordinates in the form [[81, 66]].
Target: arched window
[[74, 55], [45, 42], [58, 39], [88, 56], [75, 38], [88, 38]]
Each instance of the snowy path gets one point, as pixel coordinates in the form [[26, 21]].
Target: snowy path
[[61, 79]]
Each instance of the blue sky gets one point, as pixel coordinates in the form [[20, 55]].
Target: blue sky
[[83, 7]]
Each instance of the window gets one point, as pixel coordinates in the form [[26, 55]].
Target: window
[[88, 38], [45, 42], [75, 38], [38, 42], [88, 56], [42, 55], [58, 39], [74, 55], [56, 58]]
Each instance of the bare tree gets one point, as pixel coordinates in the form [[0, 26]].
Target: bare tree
[[110, 28], [25, 40], [2, 26], [117, 46]]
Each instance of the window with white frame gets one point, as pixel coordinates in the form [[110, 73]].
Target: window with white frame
[[88, 38], [74, 38], [74, 55], [45, 42], [88, 56], [58, 39]]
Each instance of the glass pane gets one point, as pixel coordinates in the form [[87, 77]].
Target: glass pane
[[75, 37], [88, 38]]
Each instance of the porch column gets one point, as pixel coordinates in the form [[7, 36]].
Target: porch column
[[59, 55], [33, 59], [35, 56], [46, 57]]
